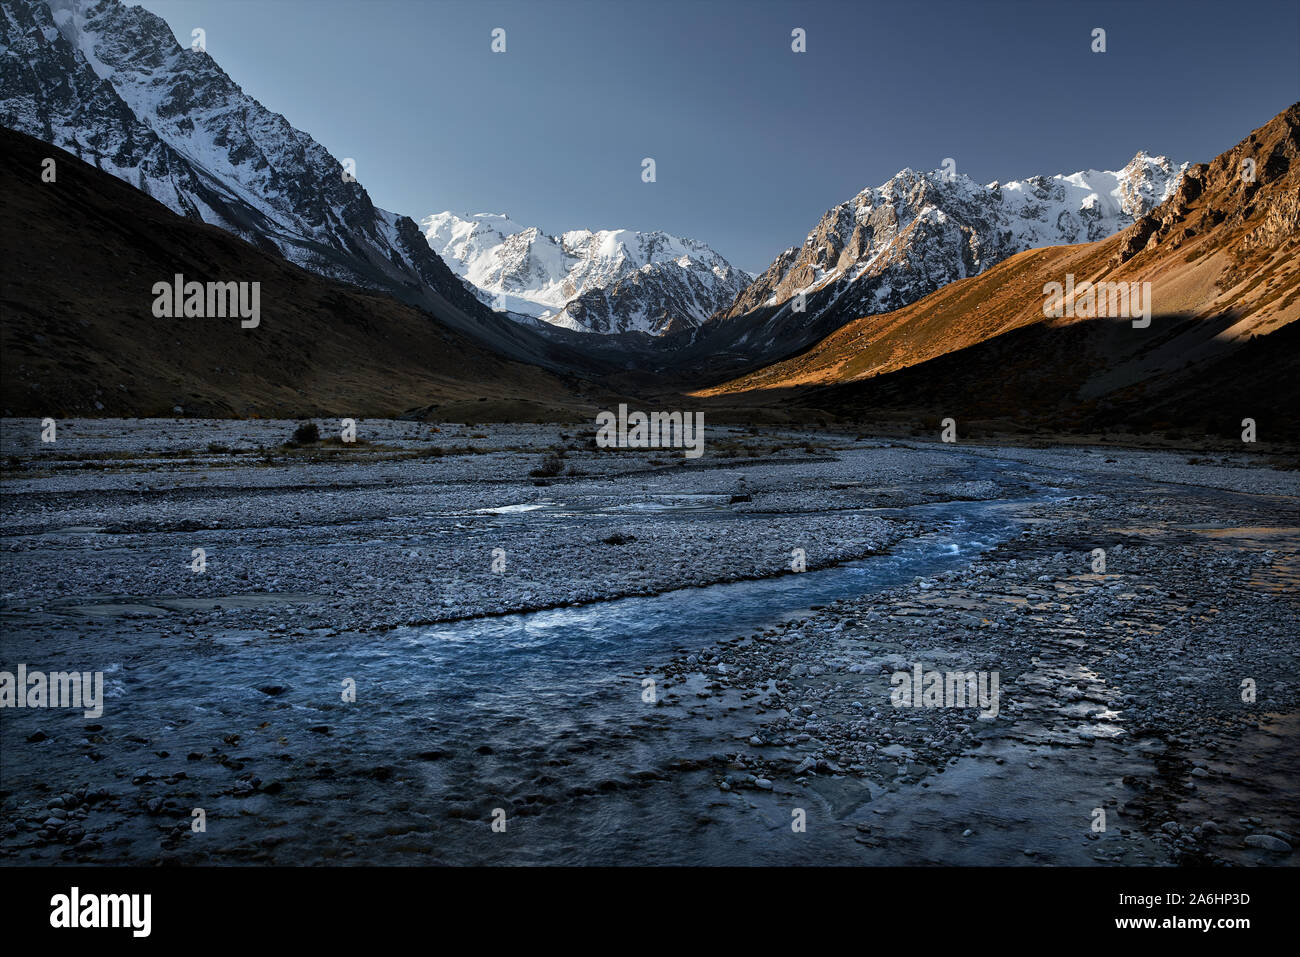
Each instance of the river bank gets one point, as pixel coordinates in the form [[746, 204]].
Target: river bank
[[1119, 690]]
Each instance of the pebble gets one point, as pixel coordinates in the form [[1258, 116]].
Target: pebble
[[1268, 842]]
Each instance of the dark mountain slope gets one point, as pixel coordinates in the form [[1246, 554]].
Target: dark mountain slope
[[78, 335], [109, 83]]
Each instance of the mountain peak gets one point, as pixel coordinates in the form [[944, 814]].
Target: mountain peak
[[610, 280], [1213, 257], [893, 244], [110, 84]]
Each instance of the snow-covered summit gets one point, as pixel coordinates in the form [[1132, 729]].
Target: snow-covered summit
[[892, 244], [111, 84], [614, 280]]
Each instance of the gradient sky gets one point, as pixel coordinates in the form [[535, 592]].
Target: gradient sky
[[752, 141]]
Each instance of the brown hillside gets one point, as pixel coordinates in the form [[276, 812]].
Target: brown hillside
[[1222, 260]]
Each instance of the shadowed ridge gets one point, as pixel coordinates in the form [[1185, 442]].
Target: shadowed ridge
[[79, 336]]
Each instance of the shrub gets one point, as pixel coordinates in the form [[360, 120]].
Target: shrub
[[306, 433], [551, 465]]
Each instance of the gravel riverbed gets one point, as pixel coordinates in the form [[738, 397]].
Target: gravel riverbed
[[619, 657]]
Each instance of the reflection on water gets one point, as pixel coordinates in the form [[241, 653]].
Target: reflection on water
[[655, 504], [1282, 572], [531, 674]]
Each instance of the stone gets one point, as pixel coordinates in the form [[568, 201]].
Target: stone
[[1268, 842]]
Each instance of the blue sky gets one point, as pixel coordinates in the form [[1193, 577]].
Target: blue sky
[[752, 141]]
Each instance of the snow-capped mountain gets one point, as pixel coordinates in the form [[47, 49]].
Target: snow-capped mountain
[[984, 349], [892, 245], [111, 84], [608, 281]]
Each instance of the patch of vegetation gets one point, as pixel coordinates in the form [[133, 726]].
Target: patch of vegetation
[[552, 464], [307, 433]]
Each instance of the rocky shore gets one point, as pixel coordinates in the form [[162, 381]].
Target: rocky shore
[[1124, 690], [1145, 710]]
